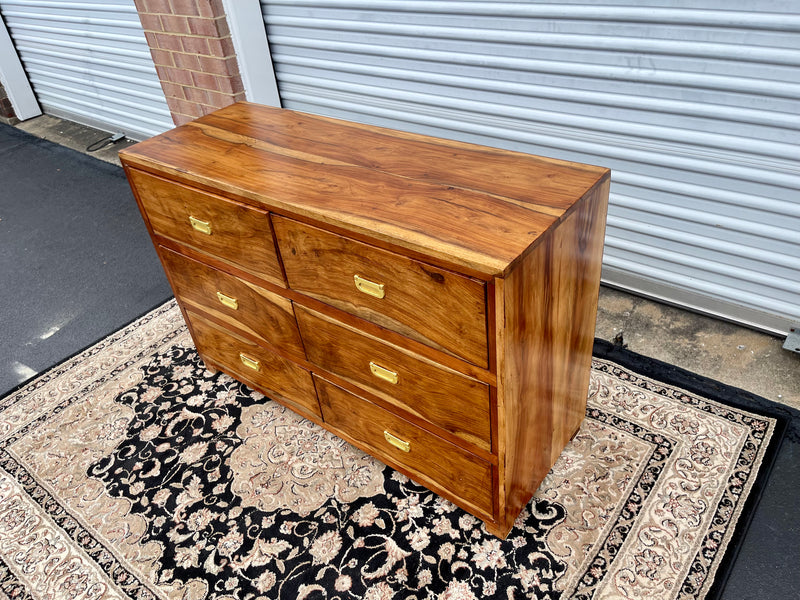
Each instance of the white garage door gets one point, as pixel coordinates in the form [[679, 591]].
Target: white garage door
[[694, 109], [89, 62]]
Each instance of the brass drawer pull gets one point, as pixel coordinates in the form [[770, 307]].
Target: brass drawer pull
[[383, 373], [228, 301], [397, 442], [250, 363], [370, 288], [199, 225]]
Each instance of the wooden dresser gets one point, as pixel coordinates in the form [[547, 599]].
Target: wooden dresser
[[430, 301]]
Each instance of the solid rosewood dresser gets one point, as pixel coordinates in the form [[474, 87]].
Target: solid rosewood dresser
[[430, 301]]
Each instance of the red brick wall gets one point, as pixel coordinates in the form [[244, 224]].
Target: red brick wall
[[6, 110], [193, 53]]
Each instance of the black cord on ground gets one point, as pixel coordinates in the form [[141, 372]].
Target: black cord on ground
[[106, 141]]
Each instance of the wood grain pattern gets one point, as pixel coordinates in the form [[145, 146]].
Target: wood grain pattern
[[413, 346], [486, 232], [431, 305], [260, 313], [549, 307], [466, 476], [276, 375], [490, 265], [443, 397], [513, 175], [240, 235]]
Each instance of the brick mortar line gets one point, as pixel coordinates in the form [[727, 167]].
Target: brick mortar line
[[226, 57]]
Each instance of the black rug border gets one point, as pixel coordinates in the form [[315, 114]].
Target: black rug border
[[786, 428]]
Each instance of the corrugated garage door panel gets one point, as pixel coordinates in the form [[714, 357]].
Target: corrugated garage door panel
[[89, 62], [695, 110]]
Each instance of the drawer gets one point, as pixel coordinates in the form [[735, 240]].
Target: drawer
[[448, 399], [240, 304], [232, 232], [431, 305], [398, 442], [254, 364]]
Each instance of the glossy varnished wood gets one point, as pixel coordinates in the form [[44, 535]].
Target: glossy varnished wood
[[239, 234], [449, 360], [548, 306], [392, 201], [462, 474], [260, 313], [490, 266], [542, 184], [275, 375], [445, 398], [431, 305]]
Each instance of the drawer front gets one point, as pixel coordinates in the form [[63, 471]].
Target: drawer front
[[238, 303], [254, 364], [443, 397], [397, 441], [227, 230], [431, 305]]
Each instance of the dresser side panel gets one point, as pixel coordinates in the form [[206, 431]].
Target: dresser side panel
[[549, 308]]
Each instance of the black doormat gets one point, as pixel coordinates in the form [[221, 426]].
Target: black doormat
[[130, 469], [75, 257]]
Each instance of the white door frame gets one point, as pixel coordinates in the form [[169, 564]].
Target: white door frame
[[15, 80], [249, 37]]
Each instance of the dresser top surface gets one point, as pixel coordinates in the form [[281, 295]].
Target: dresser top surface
[[473, 206]]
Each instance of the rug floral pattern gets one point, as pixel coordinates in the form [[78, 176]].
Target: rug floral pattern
[[132, 472]]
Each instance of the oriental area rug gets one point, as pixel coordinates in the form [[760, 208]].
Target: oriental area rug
[[129, 471]]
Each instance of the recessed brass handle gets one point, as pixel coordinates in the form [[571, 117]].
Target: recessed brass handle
[[228, 301], [200, 225], [250, 363], [397, 442], [370, 288], [383, 373]]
